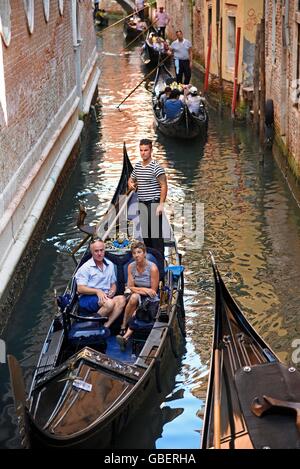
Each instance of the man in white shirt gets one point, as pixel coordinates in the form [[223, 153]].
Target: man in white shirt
[[96, 285], [162, 20], [183, 58]]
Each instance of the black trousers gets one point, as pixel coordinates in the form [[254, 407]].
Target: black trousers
[[151, 225], [162, 31], [184, 69]]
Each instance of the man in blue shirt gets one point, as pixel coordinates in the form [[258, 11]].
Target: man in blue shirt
[[173, 106], [96, 285], [183, 57]]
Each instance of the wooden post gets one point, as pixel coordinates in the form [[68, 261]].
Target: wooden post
[[262, 83], [208, 60], [236, 71], [256, 80]]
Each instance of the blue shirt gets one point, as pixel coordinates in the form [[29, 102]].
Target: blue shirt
[[173, 108], [90, 275]]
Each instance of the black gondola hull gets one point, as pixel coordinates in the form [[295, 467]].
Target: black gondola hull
[[187, 125]]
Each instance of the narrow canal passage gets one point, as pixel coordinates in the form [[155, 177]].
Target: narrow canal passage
[[252, 225]]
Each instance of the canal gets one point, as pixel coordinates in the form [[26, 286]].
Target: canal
[[251, 224]]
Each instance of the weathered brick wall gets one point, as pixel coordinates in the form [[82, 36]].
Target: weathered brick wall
[[278, 83], [199, 31], [39, 76], [86, 22]]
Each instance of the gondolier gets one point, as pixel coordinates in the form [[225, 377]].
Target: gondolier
[[162, 20], [149, 179], [183, 58]]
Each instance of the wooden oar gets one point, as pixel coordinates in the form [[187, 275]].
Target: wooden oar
[[143, 32], [145, 78], [217, 400], [120, 21]]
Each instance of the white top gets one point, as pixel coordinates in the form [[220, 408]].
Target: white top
[[162, 19], [193, 103], [90, 275], [181, 49]]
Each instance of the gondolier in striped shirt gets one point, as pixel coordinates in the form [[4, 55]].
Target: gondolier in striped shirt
[[149, 179]]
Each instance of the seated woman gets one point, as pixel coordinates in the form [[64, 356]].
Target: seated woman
[[143, 280]]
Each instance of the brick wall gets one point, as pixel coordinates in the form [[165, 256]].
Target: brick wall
[[39, 76], [281, 63]]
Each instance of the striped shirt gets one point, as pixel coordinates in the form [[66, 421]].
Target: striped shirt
[[146, 177]]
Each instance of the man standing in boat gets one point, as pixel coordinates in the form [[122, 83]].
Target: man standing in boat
[[183, 58], [149, 179], [96, 285], [162, 20], [140, 8]]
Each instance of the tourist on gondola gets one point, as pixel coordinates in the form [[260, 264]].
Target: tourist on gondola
[[183, 57], [143, 280], [96, 285], [149, 179], [173, 105], [193, 99], [162, 98], [162, 20]]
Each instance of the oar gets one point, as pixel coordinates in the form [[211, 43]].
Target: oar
[[145, 78], [120, 21], [217, 400], [143, 32]]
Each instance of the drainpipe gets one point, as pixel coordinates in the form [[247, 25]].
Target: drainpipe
[[77, 53]]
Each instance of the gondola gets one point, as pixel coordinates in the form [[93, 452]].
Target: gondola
[[149, 55], [186, 125], [252, 399], [85, 390], [130, 30]]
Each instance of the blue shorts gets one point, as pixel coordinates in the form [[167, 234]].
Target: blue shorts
[[89, 302]]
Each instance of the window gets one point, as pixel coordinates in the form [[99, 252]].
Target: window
[[29, 10], [46, 9], [5, 26], [61, 7], [230, 41]]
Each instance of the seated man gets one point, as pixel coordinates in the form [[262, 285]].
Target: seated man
[[96, 285], [173, 106]]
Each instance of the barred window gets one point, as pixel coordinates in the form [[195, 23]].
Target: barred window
[[46, 9], [5, 25], [61, 7], [29, 10]]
